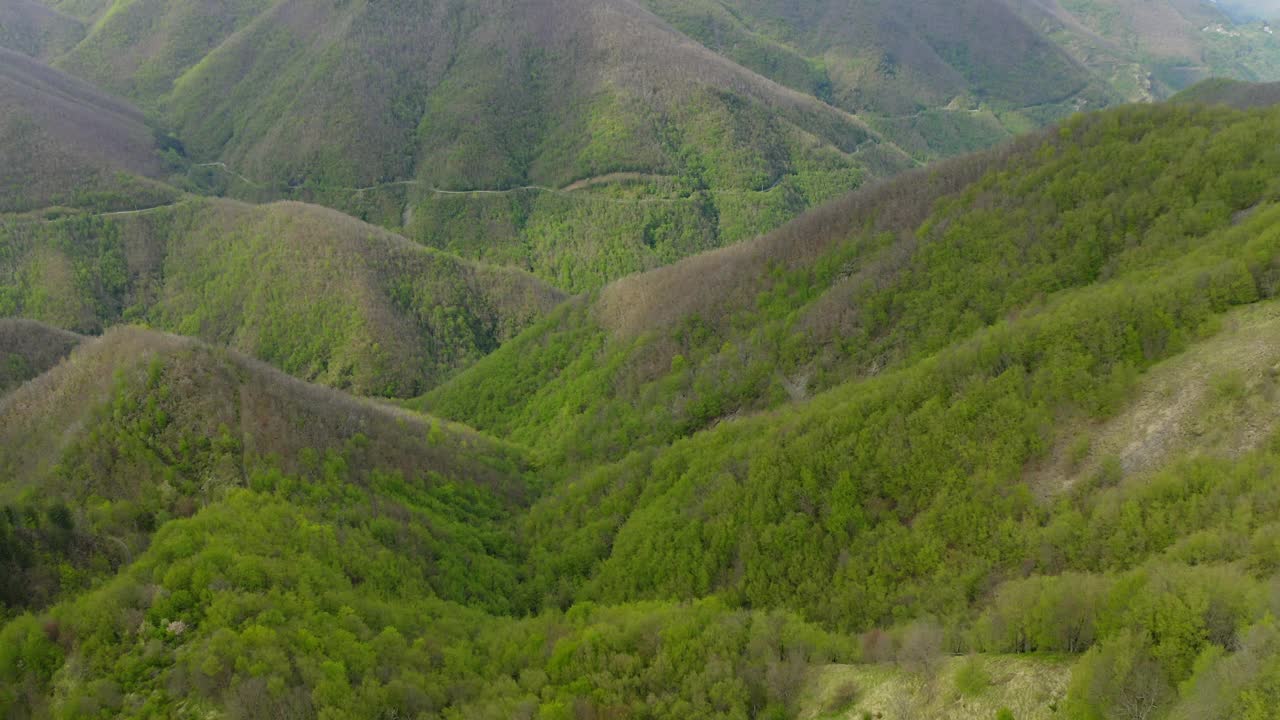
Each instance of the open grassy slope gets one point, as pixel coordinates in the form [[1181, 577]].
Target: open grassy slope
[[29, 348], [62, 142], [319, 294], [1216, 399], [960, 688]]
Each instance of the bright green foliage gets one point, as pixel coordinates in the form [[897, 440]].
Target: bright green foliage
[[320, 295], [972, 679], [830, 432], [255, 607], [1114, 195], [1041, 292], [168, 436], [602, 141], [343, 578]]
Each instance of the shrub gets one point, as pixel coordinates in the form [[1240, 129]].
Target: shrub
[[972, 678]]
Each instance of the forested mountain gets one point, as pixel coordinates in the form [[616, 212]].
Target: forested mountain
[[994, 435], [64, 143], [645, 146], [92, 234], [1019, 406], [240, 543], [1151, 50], [619, 135], [319, 294], [33, 28], [28, 349]]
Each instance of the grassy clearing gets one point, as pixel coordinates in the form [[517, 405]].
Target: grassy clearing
[[1030, 688], [1218, 398]]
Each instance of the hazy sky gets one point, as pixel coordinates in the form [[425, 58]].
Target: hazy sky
[[1265, 8]]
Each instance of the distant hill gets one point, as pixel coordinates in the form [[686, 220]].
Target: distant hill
[[319, 294], [29, 348], [160, 426], [998, 436], [35, 29], [1241, 95], [373, 108], [928, 72], [939, 79], [584, 141], [1151, 50], [62, 142]]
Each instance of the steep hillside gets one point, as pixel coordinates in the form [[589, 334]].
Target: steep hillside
[[996, 437], [28, 348], [1050, 309], [939, 79], [1241, 95], [643, 146], [277, 549], [316, 293], [858, 288], [1149, 50], [64, 143], [1020, 404], [585, 141], [989, 437], [32, 28], [138, 428], [907, 343]]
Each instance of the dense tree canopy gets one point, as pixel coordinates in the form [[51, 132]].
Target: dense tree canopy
[[914, 439]]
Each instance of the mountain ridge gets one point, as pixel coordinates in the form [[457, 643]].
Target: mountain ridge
[[385, 316], [67, 143], [993, 437]]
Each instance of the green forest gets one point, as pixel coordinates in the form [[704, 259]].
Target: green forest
[[884, 436], [639, 360]]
